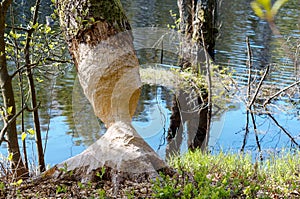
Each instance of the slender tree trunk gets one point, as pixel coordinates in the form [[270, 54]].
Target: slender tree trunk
[[8, 99], [34, 104], [204, 23], [197, 17]]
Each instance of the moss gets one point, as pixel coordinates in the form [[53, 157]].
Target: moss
[[111, 11], [76, 17]]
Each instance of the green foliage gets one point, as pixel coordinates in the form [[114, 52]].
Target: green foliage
[[176, 25], [65, 168], [101, 174], [102, 193], [202, 175], [30, 132], [9, 110], [265, 10], [130, 194], [23, 136], [166, 188], [61, 189], [10, 157], [80, 185], [2, 186], [17, 183]]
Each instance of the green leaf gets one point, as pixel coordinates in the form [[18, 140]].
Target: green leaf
[[51, 46], [10, 157], [32, 9], [23, 136], [23, 43], [257, 9], [266, 4], [15, 35], [30, 131], [18, 183], [53, 16], [47, 29], [38, 79], [35, 26], [11, 33], [277, 5], [9, 110], [92, 20]]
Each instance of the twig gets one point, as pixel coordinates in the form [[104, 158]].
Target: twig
[[19, 70], [6, 124], [249, 67], [17, 28], [3, 131], [258, 87], [58, 60], [279, 92], [249, 64]]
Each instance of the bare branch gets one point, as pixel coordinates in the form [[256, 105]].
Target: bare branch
[[258, 87], [31, 66], [18, 28], [6, 124], [279, 92], [249, 63], [58, 60]]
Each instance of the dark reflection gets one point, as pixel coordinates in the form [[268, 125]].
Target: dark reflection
[[189, 114]]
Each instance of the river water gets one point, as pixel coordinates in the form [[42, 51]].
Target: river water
[[69, 126]]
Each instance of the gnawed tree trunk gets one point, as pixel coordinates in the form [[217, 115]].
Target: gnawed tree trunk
[[100, 41], [9, 100]]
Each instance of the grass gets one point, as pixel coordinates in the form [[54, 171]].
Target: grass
[[197, 175], [231, 176]]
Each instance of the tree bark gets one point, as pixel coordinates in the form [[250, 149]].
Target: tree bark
[[100, 41], [199, 17], [9, 100]]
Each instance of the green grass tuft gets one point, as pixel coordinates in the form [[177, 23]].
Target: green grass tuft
[[202, 175]]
